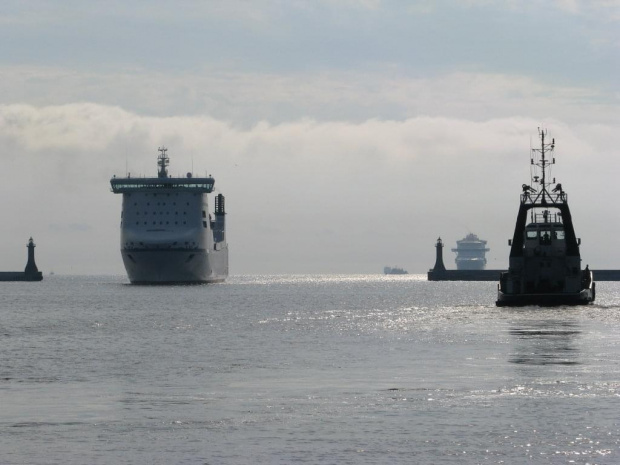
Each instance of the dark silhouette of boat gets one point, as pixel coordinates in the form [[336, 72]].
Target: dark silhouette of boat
[[545, 263]]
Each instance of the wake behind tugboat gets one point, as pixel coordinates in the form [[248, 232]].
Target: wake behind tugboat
[[545, 263]]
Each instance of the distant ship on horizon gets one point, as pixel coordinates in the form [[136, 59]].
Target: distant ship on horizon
[[470, 253], [394, 270]]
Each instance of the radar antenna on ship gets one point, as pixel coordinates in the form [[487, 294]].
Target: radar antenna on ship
[[541, 161], [162, 162]]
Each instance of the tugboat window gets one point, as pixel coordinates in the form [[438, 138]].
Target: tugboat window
[[532, 234], [545, 237]]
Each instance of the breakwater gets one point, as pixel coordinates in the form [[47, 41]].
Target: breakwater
[[31, 273]]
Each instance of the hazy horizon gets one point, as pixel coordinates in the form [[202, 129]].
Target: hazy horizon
[[346, 135]]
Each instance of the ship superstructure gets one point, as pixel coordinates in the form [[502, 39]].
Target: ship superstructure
[[470, 253], [168, 234], [545, 262]]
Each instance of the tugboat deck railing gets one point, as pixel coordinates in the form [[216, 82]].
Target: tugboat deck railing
[[547, 217], [544, 198]]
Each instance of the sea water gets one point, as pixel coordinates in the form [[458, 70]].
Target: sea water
[[304, 369]]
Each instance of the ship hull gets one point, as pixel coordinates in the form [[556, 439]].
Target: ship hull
[[584, 297], [176, 266], [470, 264]]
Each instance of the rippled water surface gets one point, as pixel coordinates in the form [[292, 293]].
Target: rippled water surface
[[309, 369]]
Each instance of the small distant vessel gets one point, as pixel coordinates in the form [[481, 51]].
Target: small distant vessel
[[470, 253], [545, 262], [394, 270], [167, 232]]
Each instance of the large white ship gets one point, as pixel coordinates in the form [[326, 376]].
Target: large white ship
[[470, 253], [168, 234]]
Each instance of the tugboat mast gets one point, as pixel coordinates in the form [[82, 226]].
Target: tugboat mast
[[544, 165]]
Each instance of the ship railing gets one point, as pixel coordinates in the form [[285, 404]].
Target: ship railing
[[547, 217], [544, 198]]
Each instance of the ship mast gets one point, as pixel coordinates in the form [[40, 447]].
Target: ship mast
[[162, 162]]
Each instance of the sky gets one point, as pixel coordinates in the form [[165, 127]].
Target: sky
[[346, 135]]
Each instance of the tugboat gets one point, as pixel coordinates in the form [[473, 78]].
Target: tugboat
[[545, 264]]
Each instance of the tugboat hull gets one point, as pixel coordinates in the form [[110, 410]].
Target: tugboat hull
[[583, 297]]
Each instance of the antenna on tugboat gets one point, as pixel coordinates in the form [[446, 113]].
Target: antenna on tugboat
[[542, 151], [542, 159]]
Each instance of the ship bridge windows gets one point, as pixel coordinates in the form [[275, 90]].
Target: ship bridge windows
[[127, 186], [544, 236]]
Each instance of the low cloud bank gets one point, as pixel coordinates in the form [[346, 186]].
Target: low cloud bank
[[303, 196]]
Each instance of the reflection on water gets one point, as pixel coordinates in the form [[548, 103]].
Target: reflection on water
[[545, 342]]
